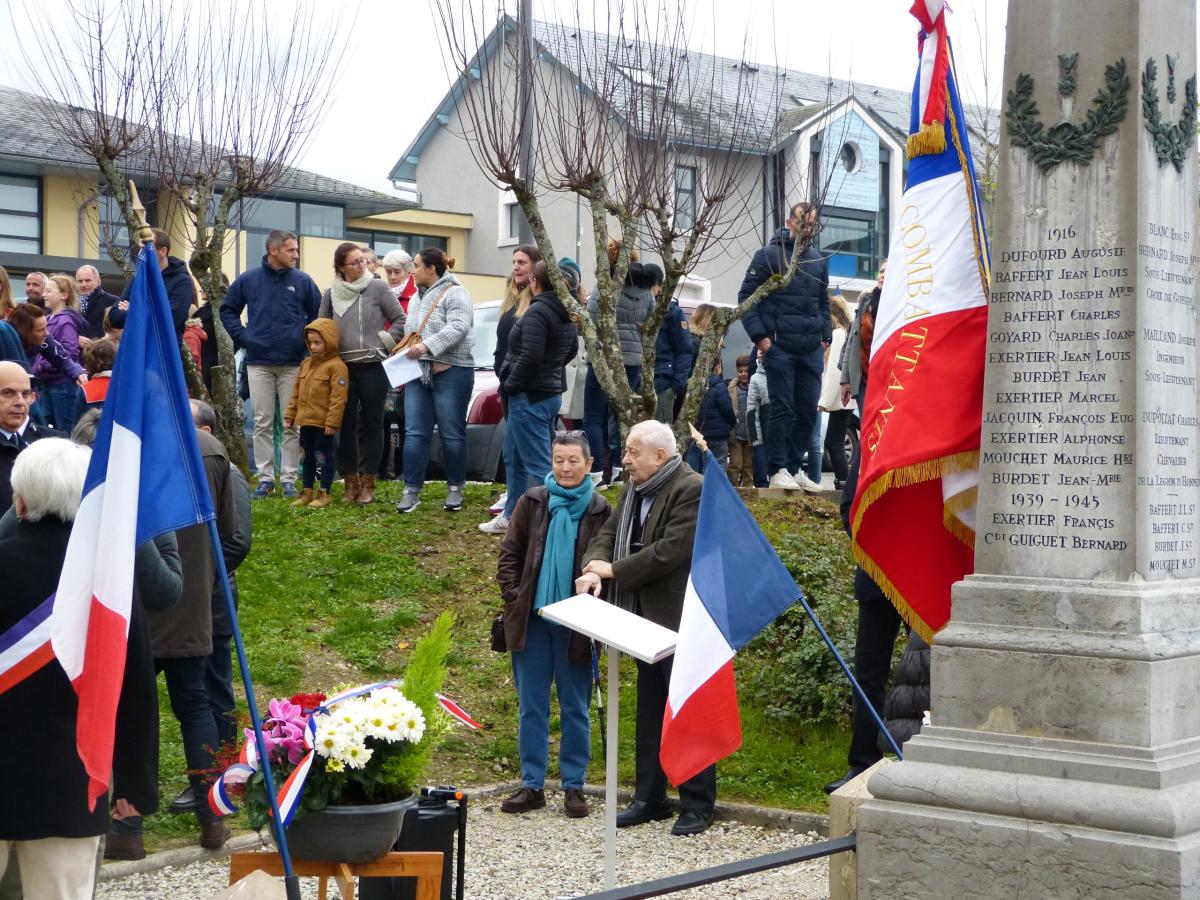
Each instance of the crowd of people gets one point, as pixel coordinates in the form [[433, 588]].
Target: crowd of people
[[316, 387]]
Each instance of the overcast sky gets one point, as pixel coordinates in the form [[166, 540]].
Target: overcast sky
[[394, 74]]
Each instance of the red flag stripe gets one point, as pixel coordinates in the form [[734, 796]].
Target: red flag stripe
[[707, 728], [99, 689]]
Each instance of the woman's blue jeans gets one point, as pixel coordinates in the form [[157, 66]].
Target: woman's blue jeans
[[527, 445], [600, 422], [442, 402], [61, 404], [543, 660]]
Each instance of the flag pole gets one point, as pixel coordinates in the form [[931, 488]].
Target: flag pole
[[853, 681], [291, 882]]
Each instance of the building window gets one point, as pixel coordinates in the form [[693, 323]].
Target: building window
[[514, 218], [383, 242], [319, 220], [113, 230], [20, 214], [262, 215], [848, 240], [850, 157], [685, 197]]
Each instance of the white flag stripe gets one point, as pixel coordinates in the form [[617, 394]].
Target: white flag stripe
[[932, 267], [700, 651], [104, 531], [25, 646]]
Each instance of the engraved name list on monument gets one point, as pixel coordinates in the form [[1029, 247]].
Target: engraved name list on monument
[[1062, 451]]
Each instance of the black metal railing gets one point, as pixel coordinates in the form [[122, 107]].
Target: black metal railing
[[701, 877]]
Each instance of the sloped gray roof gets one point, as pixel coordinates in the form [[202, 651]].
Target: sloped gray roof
[[737, 96], [27, 143]]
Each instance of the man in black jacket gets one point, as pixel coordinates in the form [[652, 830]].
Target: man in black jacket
[[792, 327], [17, 431], [94, 300], [181, 290]]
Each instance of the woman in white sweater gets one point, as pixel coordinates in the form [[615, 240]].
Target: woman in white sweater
[[831, 393]]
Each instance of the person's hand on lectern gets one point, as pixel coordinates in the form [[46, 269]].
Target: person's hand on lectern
[[588, 583]]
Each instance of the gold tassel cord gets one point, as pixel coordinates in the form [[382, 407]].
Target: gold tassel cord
[[915, 622], [950, 510], [930, 140]]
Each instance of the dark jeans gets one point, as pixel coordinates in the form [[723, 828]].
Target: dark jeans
[[314, 440], [218, 685], [189, 703], [794, 384], [600, 422], [878, 627], [368, 390], [758, 456], [699, 792], [442, 402], [695, 459], [835, 442], [527, 445], [61, 403]]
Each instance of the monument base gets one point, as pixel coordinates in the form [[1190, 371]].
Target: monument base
[[1067, 758]]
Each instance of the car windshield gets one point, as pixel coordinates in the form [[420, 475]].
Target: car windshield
[[484, 334]]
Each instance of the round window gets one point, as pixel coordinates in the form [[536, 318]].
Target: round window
[[850, 157]]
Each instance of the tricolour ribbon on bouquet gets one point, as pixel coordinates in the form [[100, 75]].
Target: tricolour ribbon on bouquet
[[292, 790]]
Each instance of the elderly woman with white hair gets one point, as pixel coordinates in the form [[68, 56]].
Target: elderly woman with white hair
[[398, 266], [44, 799]]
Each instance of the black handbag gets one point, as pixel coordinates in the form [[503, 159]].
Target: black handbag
[[499, 643]]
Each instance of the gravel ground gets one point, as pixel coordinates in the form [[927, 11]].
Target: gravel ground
[[546, 855]]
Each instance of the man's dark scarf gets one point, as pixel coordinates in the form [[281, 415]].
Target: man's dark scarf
[[627, 600]]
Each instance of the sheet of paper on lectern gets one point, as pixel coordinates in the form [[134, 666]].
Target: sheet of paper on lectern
[[599, 619]]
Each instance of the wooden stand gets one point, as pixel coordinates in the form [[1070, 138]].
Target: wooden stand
[[425, 867]]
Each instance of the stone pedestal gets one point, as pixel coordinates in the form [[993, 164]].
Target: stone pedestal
[[1065, 756]]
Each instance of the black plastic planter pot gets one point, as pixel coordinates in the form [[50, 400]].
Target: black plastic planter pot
[[349, 834]]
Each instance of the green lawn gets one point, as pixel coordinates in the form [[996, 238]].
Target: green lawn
[[339, 596]]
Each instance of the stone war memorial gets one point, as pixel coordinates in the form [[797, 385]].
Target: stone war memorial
[[1064, 755]]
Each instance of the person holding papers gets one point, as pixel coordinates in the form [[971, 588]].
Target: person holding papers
[[645, 551], [370, 321], [540, 557]]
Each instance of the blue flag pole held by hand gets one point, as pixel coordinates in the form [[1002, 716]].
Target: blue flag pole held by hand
[[148, 298]]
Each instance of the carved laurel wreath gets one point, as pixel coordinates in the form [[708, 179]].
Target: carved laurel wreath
[[1172, 140], [1066, 141]]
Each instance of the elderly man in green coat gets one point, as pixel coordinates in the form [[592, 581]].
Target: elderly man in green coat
[[645, 551]]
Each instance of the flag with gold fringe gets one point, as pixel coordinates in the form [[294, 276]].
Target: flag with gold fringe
[[913, 518]]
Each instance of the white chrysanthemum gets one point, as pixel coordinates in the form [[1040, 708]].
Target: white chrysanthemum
[[381, 722], [413, 723], [387, 696], [356, 755], [331, 740], [351, 714]]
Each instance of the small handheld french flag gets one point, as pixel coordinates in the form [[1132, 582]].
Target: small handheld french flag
[[737, 587]]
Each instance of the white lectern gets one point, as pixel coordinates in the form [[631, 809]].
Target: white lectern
[[621, 632]]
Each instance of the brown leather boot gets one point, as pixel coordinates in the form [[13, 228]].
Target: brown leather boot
[[366, 490], [352, 484], [321, 501], [305, 498]]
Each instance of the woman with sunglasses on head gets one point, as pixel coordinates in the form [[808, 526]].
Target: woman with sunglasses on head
[[362, 306], [541, 343], [540, 558]]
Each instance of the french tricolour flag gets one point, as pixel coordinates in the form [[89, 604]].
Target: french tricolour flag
[[737, 587], [145, 478]]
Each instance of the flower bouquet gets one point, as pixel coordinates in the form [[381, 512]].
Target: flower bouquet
[[360, 746]]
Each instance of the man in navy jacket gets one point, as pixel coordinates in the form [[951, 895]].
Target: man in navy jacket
[[181, 290], [279, 301], [793, 328], [94, 300]]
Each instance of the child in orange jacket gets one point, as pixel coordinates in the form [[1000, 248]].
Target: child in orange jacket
[[318, 401]]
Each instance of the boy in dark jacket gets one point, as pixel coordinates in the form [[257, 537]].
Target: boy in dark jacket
[[714, 421], [673, 353], [317, 404]]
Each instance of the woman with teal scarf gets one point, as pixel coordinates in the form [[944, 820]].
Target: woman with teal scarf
[[539, 562]]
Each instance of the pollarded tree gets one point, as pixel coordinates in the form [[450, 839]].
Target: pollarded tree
[[211, 100], [617, 102]]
